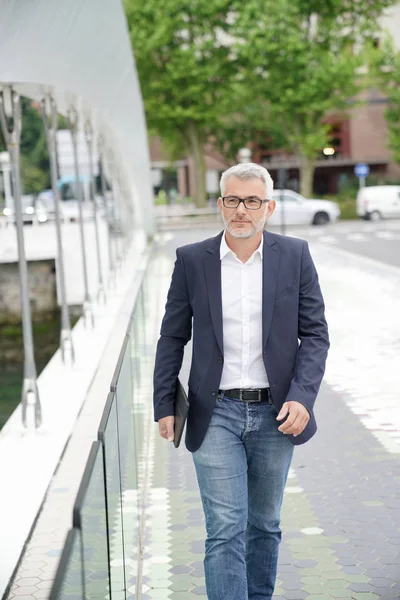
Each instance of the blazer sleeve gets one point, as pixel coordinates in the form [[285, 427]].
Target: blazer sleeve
[[313, 336], [176, 331]]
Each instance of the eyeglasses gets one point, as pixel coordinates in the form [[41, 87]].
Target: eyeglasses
[[251, 202]]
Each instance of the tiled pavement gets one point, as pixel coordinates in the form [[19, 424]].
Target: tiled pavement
[[340, 519], [341, 511]]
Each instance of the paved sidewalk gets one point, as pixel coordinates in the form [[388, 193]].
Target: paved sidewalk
[[341, 517], [341, 512]]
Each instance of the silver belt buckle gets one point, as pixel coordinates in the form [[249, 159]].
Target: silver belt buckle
[[241, 394], [259, 395]]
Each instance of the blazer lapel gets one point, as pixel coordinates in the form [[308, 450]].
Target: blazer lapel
[[212, 269], [270, 277]]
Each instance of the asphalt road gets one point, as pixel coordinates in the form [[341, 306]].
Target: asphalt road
[[379, 241]]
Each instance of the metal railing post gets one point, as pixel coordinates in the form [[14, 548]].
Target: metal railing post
[[124, 215], [130, 219], [72, 119], [118, 208], [109, 210], [49, 114], [116, 215], [101, 293], [11, 129]]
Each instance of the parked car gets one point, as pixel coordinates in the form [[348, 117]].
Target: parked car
[[32, 210], [297, 210], [69, 207], [377, 202]]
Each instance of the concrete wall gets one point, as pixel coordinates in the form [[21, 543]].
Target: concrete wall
[[42, 285]]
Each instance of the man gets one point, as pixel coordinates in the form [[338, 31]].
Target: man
[[260, 343]]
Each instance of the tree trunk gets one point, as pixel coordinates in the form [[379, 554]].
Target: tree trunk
[[197, 153], [307, 169]]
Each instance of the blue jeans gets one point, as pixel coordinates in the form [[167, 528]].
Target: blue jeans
[[242, 467]]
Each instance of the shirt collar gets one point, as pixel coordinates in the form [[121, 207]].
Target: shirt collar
[[224, 248]]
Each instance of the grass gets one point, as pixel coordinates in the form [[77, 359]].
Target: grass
[[347, 203]]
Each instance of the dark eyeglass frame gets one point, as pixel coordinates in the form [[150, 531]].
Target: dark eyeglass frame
[[261, 202]]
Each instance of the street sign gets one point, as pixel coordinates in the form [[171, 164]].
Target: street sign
[[361, 170]]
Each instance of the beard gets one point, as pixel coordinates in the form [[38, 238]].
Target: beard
[[255, 228]]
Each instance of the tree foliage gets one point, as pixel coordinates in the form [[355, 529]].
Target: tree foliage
[[234, 71], [35, 173], [183, 57], [303, 57]]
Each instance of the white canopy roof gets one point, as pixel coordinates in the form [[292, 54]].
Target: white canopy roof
[[81, 52]]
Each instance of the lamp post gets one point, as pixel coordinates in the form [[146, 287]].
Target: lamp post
[[244, 155], [5, 165], [49, 114], [282, 177], [10, 119], [72, 119], [101, 293]]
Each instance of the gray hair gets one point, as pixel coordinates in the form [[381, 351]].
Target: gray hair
[[244, 171]]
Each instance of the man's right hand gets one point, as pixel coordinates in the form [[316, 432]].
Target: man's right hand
[[166, 428]]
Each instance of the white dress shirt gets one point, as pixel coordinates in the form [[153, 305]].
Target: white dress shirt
[[241, 286]]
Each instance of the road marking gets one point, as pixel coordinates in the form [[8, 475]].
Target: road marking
[[356, 237], [386, 235], [328, 239], [163, 238], [361, 297]]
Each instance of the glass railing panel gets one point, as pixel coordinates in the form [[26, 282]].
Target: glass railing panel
[[142, 360], [108, 435], [128, 463], [89, 515], [136, 352], [69, 580], [136, 340]]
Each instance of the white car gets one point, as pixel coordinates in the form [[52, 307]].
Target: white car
[[377, 202], [32, 210], [294, 209]]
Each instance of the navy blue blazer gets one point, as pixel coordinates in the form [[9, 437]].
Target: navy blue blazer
[[294, 331]]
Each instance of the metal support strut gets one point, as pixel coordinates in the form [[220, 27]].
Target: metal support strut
[[101, 293], [109, 210], [72, 119], [49, 114], [11, 128]]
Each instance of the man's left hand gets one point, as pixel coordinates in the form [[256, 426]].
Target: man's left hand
[[297, 419]]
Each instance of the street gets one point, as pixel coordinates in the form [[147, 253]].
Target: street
[[379, 241]]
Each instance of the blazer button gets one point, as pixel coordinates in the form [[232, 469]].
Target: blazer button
[[220, 360], [213, 393]]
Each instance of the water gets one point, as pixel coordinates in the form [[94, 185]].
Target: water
[[46, 334]]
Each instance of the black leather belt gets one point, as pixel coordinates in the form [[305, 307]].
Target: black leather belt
[[260, 395]]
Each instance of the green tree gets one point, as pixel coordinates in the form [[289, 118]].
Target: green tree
[[231, 72], [186, 68], [299, 56], [35, 172]]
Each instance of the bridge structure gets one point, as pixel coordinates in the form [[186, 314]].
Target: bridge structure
[[75, 60], [93, 503]]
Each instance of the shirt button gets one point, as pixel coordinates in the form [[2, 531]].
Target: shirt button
[[220, 359]]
